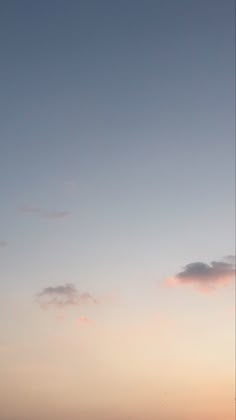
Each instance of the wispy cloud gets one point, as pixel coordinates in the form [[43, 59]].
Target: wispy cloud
[[3, 243], [63, 296], [30, 209], [51, 215], [56, 215], [205, 277], [84, 320]]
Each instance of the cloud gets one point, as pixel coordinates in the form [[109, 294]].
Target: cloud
[[62, 296], [83, 320], [3, 243], [53, 215], [56, 215], [205, 277], [30, 209]]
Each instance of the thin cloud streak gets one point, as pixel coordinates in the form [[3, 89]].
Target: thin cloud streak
[[56, 215], [51, 215], [30, 209]]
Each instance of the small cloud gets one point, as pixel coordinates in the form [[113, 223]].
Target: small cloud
[[53, 215], [3, 243], [63, 296], [30, 209], [56, 215], [83, 320], [205, 277]]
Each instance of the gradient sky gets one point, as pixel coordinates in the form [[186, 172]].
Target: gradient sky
[[117, 162]]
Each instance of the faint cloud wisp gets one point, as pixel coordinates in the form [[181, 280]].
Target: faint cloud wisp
[[84, 320], [56, 215], [51, 215], [30, 209]]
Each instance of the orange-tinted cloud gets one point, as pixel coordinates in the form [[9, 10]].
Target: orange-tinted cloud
[[205, 277]]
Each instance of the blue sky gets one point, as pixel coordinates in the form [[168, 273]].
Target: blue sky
[[134, 105]]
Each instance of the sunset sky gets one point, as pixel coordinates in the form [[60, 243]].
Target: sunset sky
[[117, 228]]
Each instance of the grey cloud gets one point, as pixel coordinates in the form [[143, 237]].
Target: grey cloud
[[207, 277], [206, 272], [62, 296]]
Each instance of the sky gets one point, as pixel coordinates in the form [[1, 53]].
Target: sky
[[117, 210]]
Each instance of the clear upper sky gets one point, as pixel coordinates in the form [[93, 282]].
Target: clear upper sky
[[117, 161]]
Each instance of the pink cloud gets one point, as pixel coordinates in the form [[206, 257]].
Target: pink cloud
[[83, 320]]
